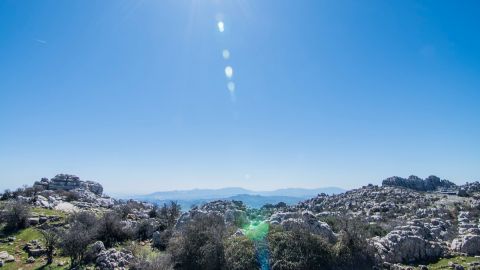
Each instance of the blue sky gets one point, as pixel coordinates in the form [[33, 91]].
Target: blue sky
[[327, 93]]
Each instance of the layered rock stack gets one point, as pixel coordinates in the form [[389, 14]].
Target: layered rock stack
[[69, 182], [430, 183]]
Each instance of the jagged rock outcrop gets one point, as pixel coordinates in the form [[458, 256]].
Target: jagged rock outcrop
[[469, 189], [430, 183], [409, 243], [304, 220], [233, 212], [69, 182]]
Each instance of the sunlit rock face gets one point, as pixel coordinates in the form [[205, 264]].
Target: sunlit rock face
[[304, 220], [69, 182], [410, 243]]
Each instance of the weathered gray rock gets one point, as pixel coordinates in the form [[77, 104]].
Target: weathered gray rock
[[112, 259], [94, 250], [232, 212], [469, 244], [5, 257], [69, 182], [303, 220], [34, 248], [408, 244], [430, 183], [32, 221]]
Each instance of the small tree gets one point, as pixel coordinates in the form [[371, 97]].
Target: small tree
[[7, 194], [173, 213], [51, 239], [81, 233], [15, 215], [200, 245], [74, 242], [110, 229]]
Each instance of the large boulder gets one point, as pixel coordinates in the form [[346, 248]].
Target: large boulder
[[94, 250]]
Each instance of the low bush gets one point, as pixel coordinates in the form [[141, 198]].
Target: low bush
[[111, 229], [300, 250], [200, 244], [240, 254]]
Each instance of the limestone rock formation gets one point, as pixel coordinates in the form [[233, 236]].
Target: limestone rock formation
[[113, 259], [303, 220], [409, 243], [69, 182], [430, 183], [233, 212]]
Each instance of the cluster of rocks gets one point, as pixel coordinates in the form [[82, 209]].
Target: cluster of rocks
[[430, 183], [68, 182], [233, 213], [468, 240], [41, 219], [409, 243], [80, 194], [372, 202], [34, 248], [304, 220], [420, 226], [469, 189], [109, 259]]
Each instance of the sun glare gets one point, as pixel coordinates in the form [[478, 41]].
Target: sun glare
[[221, 26]]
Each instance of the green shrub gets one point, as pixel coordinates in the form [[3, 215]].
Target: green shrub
[[240, 254], [200, 244], [298, 250]]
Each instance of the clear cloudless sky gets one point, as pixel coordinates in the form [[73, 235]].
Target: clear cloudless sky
[[133, 94]]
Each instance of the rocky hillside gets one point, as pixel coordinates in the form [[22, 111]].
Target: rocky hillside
[[424, 223]]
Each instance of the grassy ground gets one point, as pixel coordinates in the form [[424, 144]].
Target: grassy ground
[[48, 212], [443, 263], [16, 249], [22, 237]]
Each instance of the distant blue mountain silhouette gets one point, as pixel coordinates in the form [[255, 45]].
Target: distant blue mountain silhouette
[[255, 199]]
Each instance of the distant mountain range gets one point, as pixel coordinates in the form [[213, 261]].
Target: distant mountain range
[[255, 199]]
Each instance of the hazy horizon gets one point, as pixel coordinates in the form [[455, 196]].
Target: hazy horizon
[[181, 94]]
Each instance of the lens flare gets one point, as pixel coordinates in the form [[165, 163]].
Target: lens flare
[[231, 87], [257, 231], [221, 26], [226, 54], [229, 72]]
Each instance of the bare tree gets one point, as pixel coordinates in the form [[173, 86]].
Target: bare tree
[[51, 238]]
